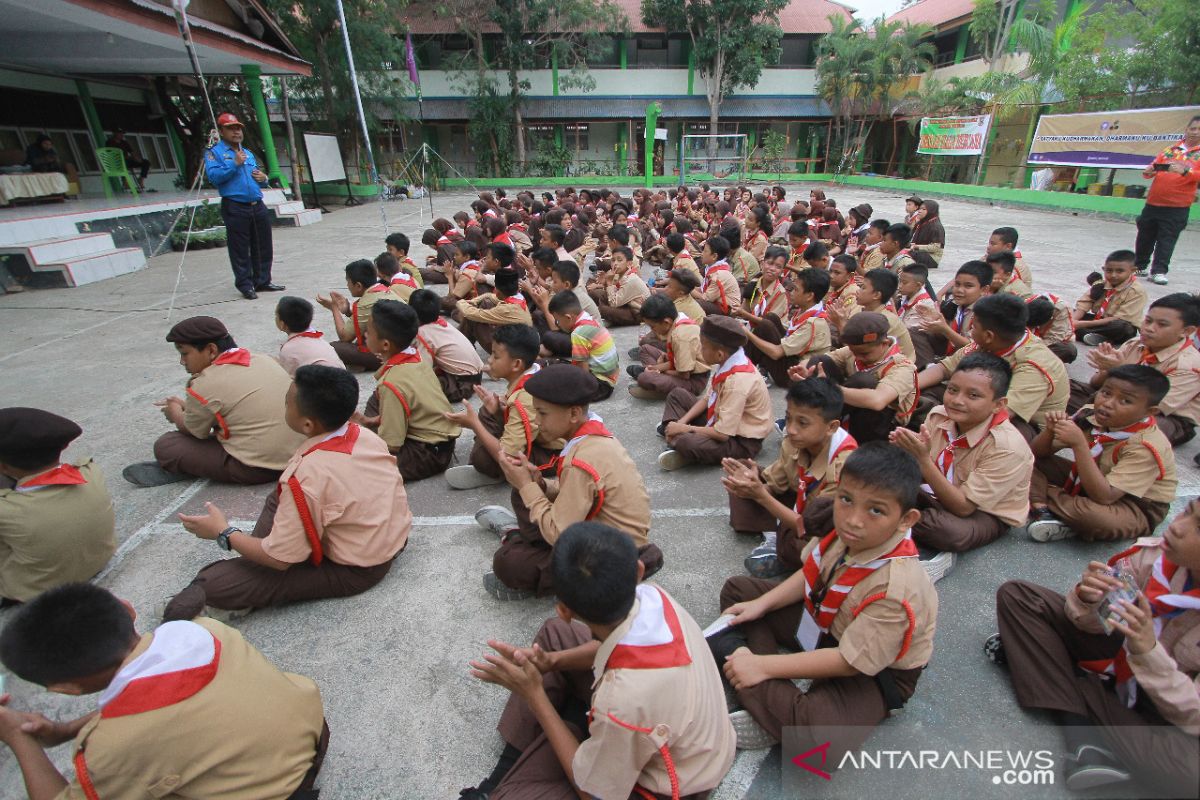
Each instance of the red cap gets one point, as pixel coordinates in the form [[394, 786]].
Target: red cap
[[229, 119]]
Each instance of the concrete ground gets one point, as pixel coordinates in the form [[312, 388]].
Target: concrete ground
[[407, 720]]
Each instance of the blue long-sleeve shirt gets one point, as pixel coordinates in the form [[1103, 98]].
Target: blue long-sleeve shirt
[[232, 181]]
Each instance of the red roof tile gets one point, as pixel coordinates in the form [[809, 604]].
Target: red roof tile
[[934, 12]]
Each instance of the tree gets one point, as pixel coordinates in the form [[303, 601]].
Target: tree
[[186, 112], [994, 22], [732, 41]]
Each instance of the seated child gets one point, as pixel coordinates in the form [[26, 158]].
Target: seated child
[[895, 247], [464, 275], [1111, 310], [734, 411], [816, 256], [879, 385], [875, 295], [681, 257], [56, 522], [228, 428], [397, 245], [719, 292], [1004, 240], [975, 464], [791, 500], [865, 665], [400, 284], [742, 263], [872, 256], [412, 406], [335, 522], [594, 479], [767, 296], [362, 281], [680, 364], [668, 682], [797, 236], [1005, 279], [912, 297], [1050, 320], [775, 350], [843, 291], [190, 710], [305, 344], [443, 246], [941, 330], [1165, 343], [592, 346], [1124, 698], [505, 424], [478, 319], [458, 367], [564, 277], [1122, 481], [621, 291]]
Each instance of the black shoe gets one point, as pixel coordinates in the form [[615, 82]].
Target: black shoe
[[993, 648], [1196, 459], [473, 793], [661, 430], [149, 473], [634, 370], [249, 294], [270, 287], [725, 643]]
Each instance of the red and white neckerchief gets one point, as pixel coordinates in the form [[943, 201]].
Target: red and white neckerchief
[[680, 319], [449, 237], [525, 376], [891, 354], [905, 252], [1110, 293], [798, 321], [402, 278], [1099, 439], [655, 638], [238, 356], [1164, 604], [806, 484], [62, 475], [593, 427], [1053, 298], [489, 212], [1015, 346], [518, 226], [835, 295], [719, 266], [913, 301], [584, 318], [765, 300], [181, 659], [1151, 359], [738, 362], [408, 355], [945, 459], [517, 299], [311, 333]]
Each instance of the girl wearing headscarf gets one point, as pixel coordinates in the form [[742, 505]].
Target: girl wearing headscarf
[[929, 236]]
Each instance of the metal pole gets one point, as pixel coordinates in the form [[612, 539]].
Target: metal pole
[[293, 155], [362, 118]]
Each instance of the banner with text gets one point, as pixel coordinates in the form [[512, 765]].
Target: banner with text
[[1113, 139], [953, 136]]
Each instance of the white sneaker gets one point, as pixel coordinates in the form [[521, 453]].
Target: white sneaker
[[1159, 279], [750, 735], [467, 477], [497, 519], [1094, 339], [669, 460], [1049, 529], [939, 566], [1144, 272]]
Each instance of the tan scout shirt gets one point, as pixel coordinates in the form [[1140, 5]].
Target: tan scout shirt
[[871, 642], [250, 734], [466, 287], [899, 332], [628, 290], [300, 350], [452, 353], [757, 245], [688, 305], [723, 289], [1142, 466], [900, 373], [782, 475], [993, 470], [1169, 674], [412, 403], [54, 534], [1017, 286], [846, 298], [1128, 303], [242, 406], [401, 290], [577, 495], [1039, 379], [1022, 270], [871, 260], [1061, 327], [521, 427], [768, 300], [360, 312], [355, 498], [677, 696], [743, 264], [685, 261], [490, 310], [810, 338], [743, 406], [1181, 364], [910, 314], [684, 343]]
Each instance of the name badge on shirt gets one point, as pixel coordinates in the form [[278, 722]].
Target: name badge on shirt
[[809, 633]]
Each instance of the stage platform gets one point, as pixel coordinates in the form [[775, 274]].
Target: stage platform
[[76, 242]]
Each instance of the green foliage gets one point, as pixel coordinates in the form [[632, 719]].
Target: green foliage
[[774, 147], [489, 128], [550, 158]]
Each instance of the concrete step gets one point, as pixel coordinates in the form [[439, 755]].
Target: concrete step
[[55, 251], [290, 207], [309, 216], [17, 232], [99, 266], [274, 197]]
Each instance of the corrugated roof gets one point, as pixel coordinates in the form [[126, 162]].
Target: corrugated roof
[[934, 12], [558, 109]]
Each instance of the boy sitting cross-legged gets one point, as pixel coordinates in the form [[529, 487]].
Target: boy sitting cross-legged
[[680, 365]]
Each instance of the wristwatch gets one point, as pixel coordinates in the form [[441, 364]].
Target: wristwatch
[[223, 538]]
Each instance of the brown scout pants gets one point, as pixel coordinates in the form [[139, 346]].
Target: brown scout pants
[[1116, 331], [1128, 518], [771, 330], [480, 333], [482, 460], [1043, 648], [420, 460], [236, 583], [864, 424], [713, 308], [661, 382], [618, 316], [699, 448], [943, 530], [352, 357], [205, 458]]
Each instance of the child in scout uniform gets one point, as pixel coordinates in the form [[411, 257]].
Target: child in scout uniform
[[681, 258], [878, 381], [719, 292], [631, 654], [894, 247], [858, 618], [623, 289], [397, 245], [464, 275], [337, 518], [976, 464], [680, 285], [1005, 279], [305, 344], [229, 427], [1122, 481], [1165, 343], [843, 290], [362, 281], [942, 330], [504, 424], [400, 283], [912, 297], [1123, 696], [56, 522], [1004, 240], [875, 295], [479, 318], [1111, 310], [680, 364], [592, 346], [767, 296], [412, 406], [1039, 380], [797, 236], [1050, 320], [734, 411], [564, 277], [791, 500], [742, 263], [872, 256], [594, 479], [776, 349], [190, 710], [458, 367]]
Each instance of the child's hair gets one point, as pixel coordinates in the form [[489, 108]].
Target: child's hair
[[567, 272], [719, 245], [815, 281], [676, 242], [521, 341], [773, 252], [544, 256], [625, 251], [557, 234], [494, 226], [799, 229], [1003, 314], [1041, 311], [733, 235], [502, 253], [657, 308], [429, 237], [1121, 256], [819, 393], [884, 281], [295, 313], [685, 278], [979, 270], [396, 322], [362, 271], [70, 632], [386, 265], [1007, 235], [595, 572], [1004, 261], [886, 469], [427, 305], [1154, 383], [815, 250], [619, 234], [881, 225], [398, 241], [565, 302], [998, 371], [468, 248], [918, 271], [327, 394], [1186, 304], [508, 282], [848, 261], [901, 234]]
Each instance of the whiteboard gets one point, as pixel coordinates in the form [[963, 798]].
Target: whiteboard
[[324, 157]]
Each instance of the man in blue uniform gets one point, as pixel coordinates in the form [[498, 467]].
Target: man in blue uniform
[[234, 171]]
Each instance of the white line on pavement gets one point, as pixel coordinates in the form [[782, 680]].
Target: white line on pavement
[[146, 530]]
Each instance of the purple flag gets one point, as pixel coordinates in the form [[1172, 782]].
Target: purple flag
[[410, 58]]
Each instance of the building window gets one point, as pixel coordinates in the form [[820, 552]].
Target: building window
[[796, 51], [545, 133]]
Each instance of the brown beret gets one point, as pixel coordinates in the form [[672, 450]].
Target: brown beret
[[563, 385], [33, 436], [725, 331], [864, 211], [865, 327], [197, 329]]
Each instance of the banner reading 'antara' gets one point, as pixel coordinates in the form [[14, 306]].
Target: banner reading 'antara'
[[1114, 139], [953, 136]]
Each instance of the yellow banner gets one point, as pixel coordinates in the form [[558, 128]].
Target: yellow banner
[[1113, 139]]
